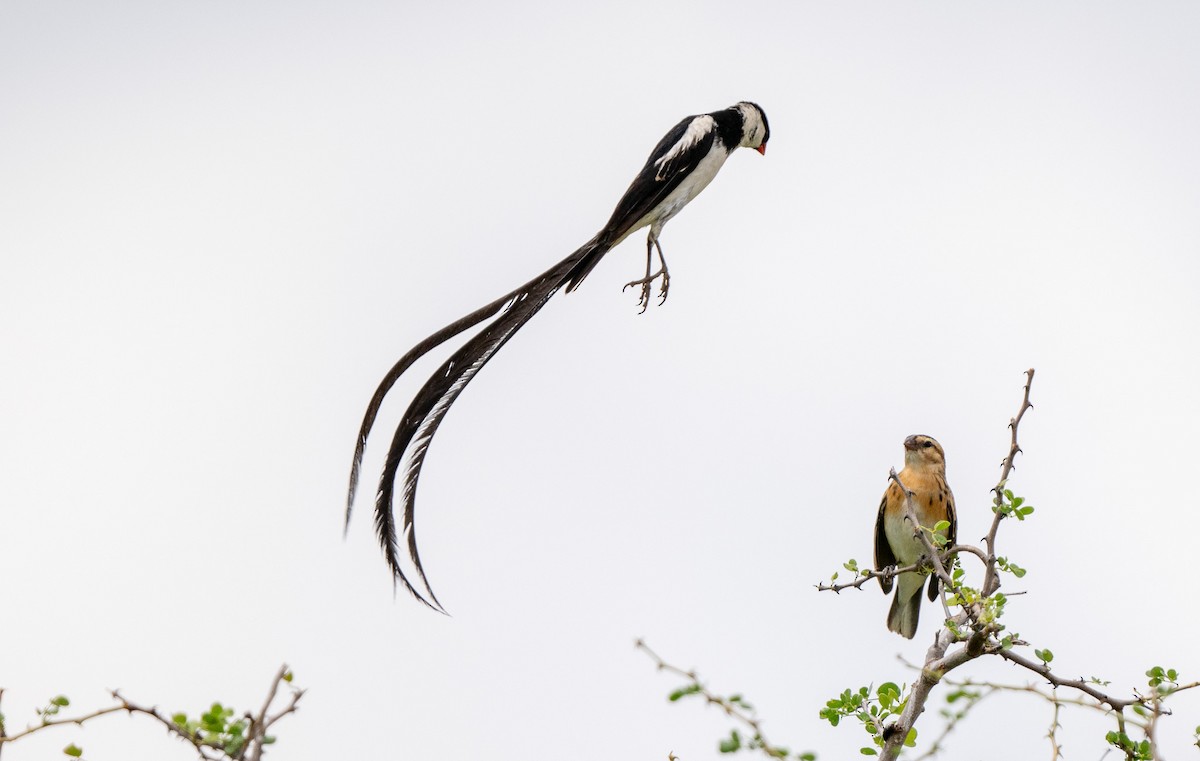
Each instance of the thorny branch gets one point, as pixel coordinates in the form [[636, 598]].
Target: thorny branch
[[206, 749], [991, 577]]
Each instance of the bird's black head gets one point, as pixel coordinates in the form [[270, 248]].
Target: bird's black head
[[755, 129]]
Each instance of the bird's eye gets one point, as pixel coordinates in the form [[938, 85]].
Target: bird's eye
[[927, 444]]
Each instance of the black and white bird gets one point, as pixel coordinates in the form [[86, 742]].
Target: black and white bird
[[679, 167]]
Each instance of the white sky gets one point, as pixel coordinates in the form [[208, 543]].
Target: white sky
[[221, 223]]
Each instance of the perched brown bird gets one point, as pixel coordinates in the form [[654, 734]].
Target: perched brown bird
[[896, 544]]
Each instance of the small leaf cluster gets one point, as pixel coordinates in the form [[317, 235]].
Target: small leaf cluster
[[1010, 505], [217, 728], [1135, 750], [850, 565], [939, 536], [873, 711], [1160, 677], [52, 708], [1004, 564]]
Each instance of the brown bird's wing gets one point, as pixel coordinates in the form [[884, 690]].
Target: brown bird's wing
[[951, 535], [883, 551], [952, 516]]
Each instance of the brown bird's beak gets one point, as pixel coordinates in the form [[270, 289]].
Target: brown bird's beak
[[762, 149], [910, 443]]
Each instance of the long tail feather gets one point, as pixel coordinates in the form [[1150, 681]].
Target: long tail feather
[[389, 380], [596, 249], [433, 401]]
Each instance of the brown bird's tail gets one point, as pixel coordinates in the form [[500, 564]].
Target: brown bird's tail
[[906, 605]]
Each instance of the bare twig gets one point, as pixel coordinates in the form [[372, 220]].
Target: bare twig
[[865, 575], [731, 709], [1052, 735], [262, 722], [47, 723]]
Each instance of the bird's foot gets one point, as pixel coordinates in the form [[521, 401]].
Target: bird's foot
[[645, 282]]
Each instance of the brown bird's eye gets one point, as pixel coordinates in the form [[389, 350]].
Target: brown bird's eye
[[927, 444]]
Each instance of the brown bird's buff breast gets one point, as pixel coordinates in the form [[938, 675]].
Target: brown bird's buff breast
[[930, 496]]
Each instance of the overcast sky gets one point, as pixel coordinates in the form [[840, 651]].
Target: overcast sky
[[221, 223]]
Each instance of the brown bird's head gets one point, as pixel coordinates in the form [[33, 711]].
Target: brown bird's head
[[923, 452]]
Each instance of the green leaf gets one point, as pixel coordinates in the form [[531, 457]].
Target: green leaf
[[911, 740], [868, 751], [287, 677], [731, 744], [73, 750], [813, 756], [61, 701]]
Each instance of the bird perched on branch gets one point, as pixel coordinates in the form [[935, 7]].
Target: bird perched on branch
[[679, 167], [896, 541]]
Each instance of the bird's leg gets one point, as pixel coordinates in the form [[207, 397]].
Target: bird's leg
[[644, 300], [666, 276]]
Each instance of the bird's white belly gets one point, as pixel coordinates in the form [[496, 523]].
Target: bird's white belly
[[900, 535], [681, 196]]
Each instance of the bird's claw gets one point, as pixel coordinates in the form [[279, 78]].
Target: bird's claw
[[645, 282]]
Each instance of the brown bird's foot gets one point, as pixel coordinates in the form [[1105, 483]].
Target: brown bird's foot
[[645, 283]]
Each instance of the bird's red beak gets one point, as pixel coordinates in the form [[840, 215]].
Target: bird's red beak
[[762, 149]]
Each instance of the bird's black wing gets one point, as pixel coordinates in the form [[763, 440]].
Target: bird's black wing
[[672, 160], [883, 551]]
